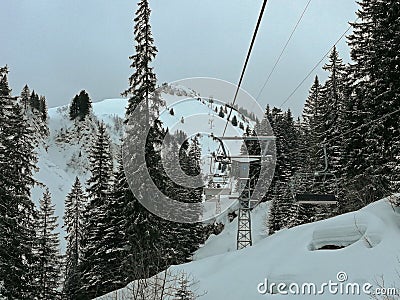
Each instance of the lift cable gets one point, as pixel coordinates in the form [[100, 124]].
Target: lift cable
[[283, 50], [246, 62], [316, 65]]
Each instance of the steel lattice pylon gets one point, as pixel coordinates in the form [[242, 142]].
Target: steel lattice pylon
[[244, 229], [244, 238], [244, 218]]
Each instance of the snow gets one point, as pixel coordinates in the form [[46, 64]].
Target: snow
[[369, 238], [366, 240], [62, 158]]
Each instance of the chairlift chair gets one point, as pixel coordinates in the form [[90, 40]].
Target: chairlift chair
[[315, 188], [218, 184]]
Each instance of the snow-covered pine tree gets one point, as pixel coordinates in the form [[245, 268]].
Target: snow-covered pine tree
[[47, 248], [43, 109], [234, 121], [191, 165], [143, 228], [34, 102], [4, 87], [25, 95], [221, 113], [75, 204], [313, 117], [311, 143], [93, 267], [85, 104], [74, 108], [17, 212], [80, 106], [375, 85], [115, 240], [283, 208], [142, 82], [334, 90]]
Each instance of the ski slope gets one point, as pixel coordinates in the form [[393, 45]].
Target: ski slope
[[368, 242], [64, 154]]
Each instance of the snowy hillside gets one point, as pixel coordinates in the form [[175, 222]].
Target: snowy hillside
[[64, 155], [355, 249]]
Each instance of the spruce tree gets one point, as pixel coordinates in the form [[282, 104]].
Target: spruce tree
[[313, 127], [95, 244], [34, 102], [74, 108], [25, 95], [142, 229], [334, 92], [75, 205], [221, 113], [282, 207], [234, 121], [85, 104], [191, 164], [4, 87], [142, 82], [80, 106], [17, 212], [375, 84], [43, 109], [48, 267]]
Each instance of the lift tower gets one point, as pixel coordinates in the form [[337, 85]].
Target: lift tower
[[245, 198]]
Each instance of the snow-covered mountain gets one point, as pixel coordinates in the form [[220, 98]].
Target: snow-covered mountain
[[337, 255], [64, 154], [363, 244]]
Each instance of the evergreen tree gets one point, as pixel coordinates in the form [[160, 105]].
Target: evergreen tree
[[193, 168], [114, 235], [334, 91], [75, 204], [43, 108], [221, 113], [25, 95], [74, 108], [282, 207], [142, 229], [85, 104], [4, 87], [313, 128], [48, 251], [17, 213], [34, 102], [142, 83], [234, 121], [371, 151], [94, 273], [180, 240], [80, 106]]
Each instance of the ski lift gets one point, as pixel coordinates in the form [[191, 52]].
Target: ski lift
[[218, 184], [319, 187], [221, 184], [225, 158]]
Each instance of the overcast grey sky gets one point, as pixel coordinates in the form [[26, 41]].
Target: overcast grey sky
[[59, 47]]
